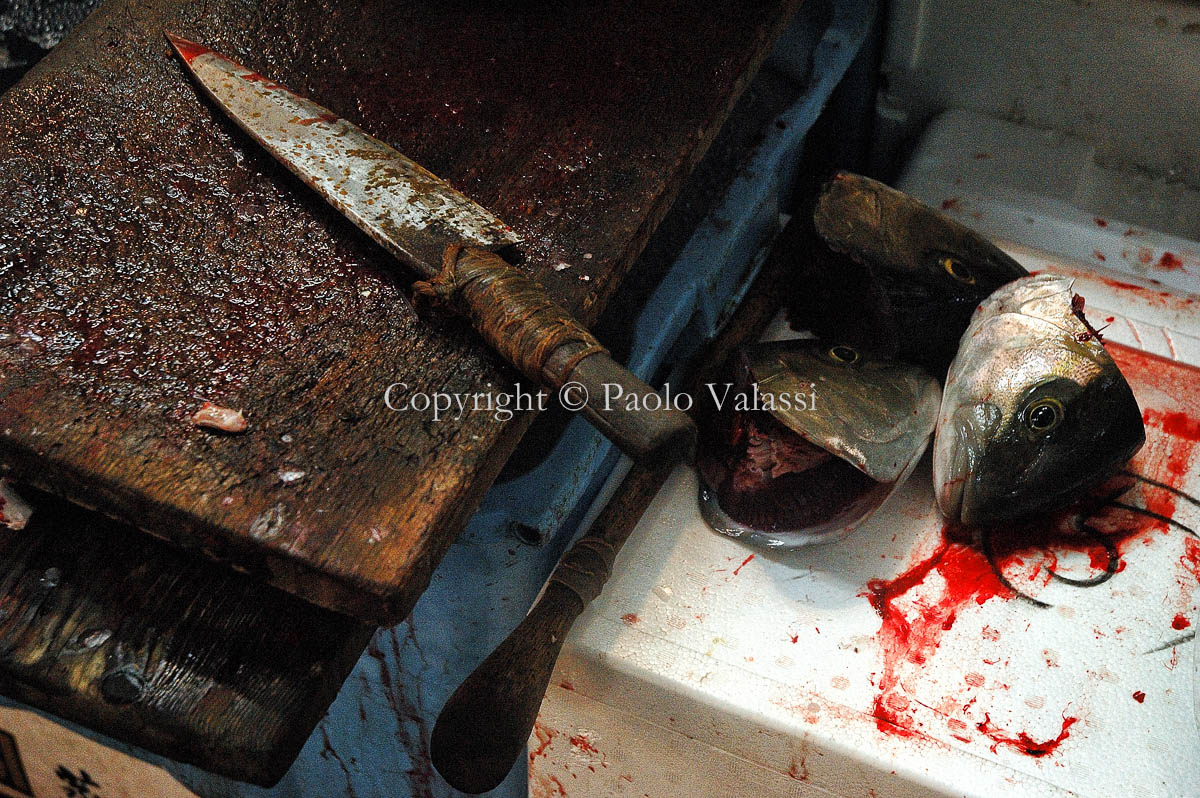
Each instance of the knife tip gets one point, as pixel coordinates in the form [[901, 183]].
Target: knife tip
[[188, 50]]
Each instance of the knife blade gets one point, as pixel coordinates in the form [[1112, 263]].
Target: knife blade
[[450, 240]]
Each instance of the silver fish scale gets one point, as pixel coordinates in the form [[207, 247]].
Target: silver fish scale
[[407, 209]]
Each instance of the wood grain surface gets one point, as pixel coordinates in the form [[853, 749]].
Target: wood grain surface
[[151, 258], [105, 626]]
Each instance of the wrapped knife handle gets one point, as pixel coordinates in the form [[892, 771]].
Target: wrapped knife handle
[[516, 317]]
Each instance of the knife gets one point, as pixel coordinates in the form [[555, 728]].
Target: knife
[[451, 242]]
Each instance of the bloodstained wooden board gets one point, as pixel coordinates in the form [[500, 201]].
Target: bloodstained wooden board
[[151, 258], [103, 625]]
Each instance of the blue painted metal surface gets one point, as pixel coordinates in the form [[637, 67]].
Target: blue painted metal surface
[[374, 741]]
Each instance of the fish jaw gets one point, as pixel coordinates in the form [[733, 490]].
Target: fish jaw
[[958, 451]]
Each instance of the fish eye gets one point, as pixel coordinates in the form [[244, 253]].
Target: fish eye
[[1044, 415], [956, 269], [843, 354]]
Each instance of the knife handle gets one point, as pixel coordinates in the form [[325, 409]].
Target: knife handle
[[516, 317], [486, 723]]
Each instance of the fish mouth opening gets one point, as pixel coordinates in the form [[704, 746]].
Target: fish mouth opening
[[959, 447]]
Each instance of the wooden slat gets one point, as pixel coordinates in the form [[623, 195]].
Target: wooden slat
[[105, 626], [152, 258]]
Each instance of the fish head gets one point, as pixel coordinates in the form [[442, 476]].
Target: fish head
[[1035, 412], [925, 264], [833, 431], [905, 238]]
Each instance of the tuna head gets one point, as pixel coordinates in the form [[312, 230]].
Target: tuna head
[[927, 272], [1034, 411]]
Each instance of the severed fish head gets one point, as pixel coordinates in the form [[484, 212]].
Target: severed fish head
[[898, 276], [824, 435], [1034, 410]]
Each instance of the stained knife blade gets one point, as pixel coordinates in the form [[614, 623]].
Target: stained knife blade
[[405, 208], [450, 240]]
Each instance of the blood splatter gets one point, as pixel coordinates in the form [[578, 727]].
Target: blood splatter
[[967, 577], [1119, 284], [1022, 742], [743, 565], [1180, 622], [630, 619], [545, 737], [584, 744], [951, 203], [1139, 696], [1179, 425], [1101, 222], [543, 785], [1169, 261]]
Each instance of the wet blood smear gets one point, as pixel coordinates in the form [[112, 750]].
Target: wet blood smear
[[743, 565], [543, 785], [1178, 424], [1142, 368], [544, 737], [1023, 743], [1180, 622], [1118, 284], [968, 578], [190, 51], [1139, 696], [630, 619], [584, 744], [1169, 261]]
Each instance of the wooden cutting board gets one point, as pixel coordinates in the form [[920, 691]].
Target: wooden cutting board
[[152, 258]]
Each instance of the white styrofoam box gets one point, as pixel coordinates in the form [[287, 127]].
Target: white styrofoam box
[[894, 662], [784, 662], [1123, 76], [1044, 218]]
